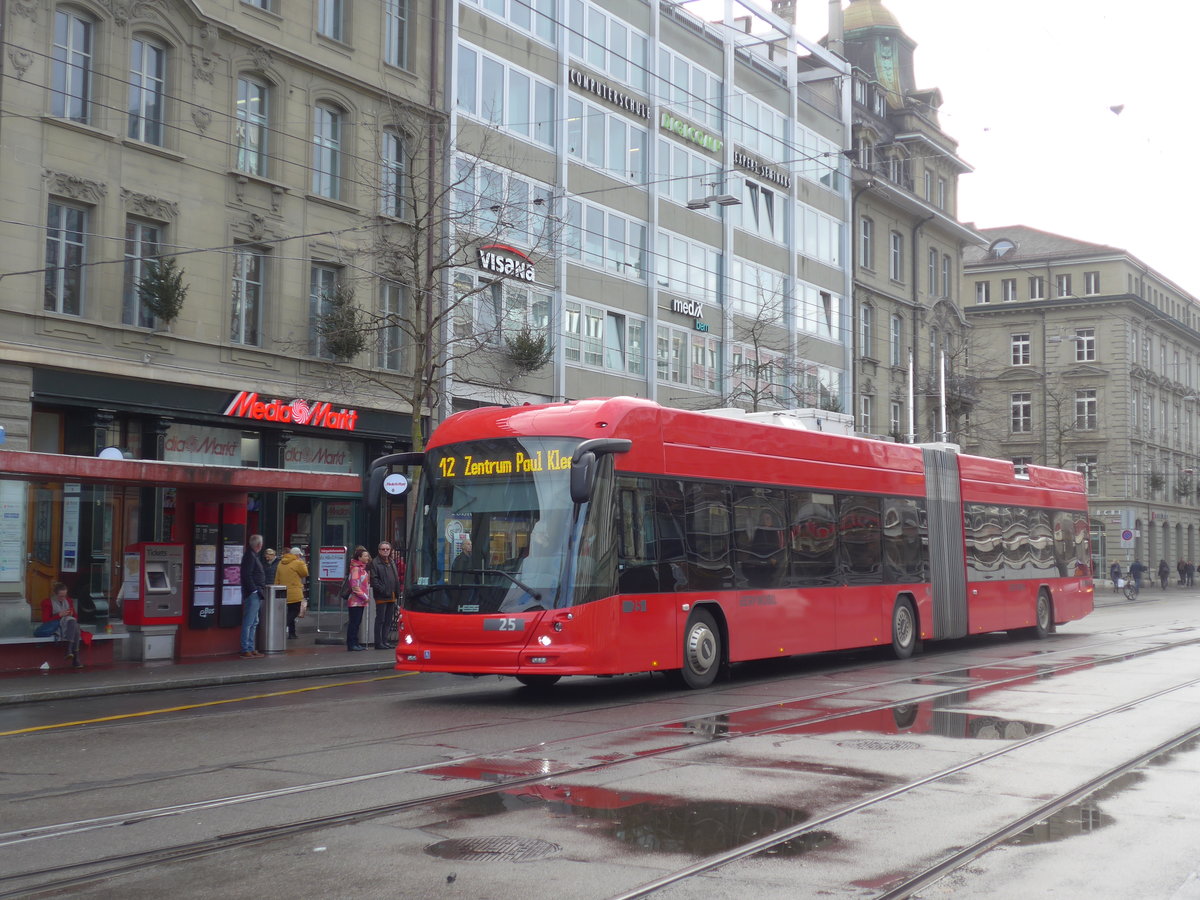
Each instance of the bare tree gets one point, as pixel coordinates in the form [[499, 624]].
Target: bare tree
[[453, 298]]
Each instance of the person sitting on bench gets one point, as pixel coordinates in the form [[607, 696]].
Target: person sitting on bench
[[59, 621]]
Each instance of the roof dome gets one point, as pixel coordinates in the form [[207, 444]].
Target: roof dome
[[867, 14]]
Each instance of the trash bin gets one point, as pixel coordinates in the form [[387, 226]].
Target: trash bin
[[272, 620]]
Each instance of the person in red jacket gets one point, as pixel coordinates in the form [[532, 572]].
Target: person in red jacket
[[59, 620]]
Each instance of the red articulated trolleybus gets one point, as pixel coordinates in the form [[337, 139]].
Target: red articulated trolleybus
[[613, 536]]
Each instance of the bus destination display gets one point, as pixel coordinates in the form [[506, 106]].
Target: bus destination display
[[517, 462]]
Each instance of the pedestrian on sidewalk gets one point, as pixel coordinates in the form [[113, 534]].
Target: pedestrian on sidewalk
[[387, 575], [1136, 571], [292, 573], [1189, 575], [270, 563], [359, 584], [1164, 574], [254, 588], [1114, 573]]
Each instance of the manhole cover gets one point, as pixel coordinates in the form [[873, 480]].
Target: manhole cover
[[872, 744], [508, 849]]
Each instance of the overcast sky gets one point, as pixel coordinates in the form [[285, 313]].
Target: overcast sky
[[1027, 88]]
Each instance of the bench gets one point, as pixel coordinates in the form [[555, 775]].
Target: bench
[[21, 653]]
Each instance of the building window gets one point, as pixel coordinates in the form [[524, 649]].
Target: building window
[[327, 151], [251, 126], [609, 142], [393, 166], [247, 296], [866, 243], [322, 286], [1062, 284], [72, 67], [983, 292], [946, 276], [895, 417], [1020, 346], [1037, 288], [941, 193], [865, 406], [1021, 412], [1008, 289], [867, 322], [395, 33], [1085, 410], [896, 342], [933, 272], [142, 244], [1089, 467], [1021, 465], [928, 185], [507, 97], [1091, 282], [604, 339], [1085, 345], [66, 253], [147, 79], [896, 257], [329, 18], [393, 307]]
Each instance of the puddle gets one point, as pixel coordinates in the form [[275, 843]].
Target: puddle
[[651, 822], [1086, 815], [1078, 818]]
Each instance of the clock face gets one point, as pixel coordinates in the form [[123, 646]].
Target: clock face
[[885, 65]]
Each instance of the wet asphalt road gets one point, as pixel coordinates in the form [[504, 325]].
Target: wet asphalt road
[[439, 786]]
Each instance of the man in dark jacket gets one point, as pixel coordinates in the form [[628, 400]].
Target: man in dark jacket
[[254, 589], [387, 577]]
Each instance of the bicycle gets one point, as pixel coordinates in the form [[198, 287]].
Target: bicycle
[[1131, 589]]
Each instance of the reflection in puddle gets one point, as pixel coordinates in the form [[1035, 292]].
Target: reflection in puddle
[[1086, 815], [651, 822], [908, 718], [1078, 818]]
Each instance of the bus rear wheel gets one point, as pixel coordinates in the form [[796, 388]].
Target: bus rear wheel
[[701, 650], [539, 682], [1043, 622], [904, 629]]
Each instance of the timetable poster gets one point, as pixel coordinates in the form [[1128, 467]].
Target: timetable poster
[[233, 545], [202, 610]]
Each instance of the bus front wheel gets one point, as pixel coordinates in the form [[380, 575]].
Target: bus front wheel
[[1043, 616], [904, 629], [701, 650]]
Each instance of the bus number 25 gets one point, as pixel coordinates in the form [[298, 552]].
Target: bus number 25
[[506, 624]]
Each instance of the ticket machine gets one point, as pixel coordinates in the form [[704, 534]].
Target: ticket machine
[[153, 589]]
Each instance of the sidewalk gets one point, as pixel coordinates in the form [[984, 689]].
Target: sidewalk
[[303, 658]]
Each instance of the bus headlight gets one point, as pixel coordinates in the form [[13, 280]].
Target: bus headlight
[[544, 640], [408, 639]]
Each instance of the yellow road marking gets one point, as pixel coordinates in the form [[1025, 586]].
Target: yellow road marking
[[171, 709]]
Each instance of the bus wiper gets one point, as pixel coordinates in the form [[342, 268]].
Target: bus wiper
[[536, 595], [414, 593]]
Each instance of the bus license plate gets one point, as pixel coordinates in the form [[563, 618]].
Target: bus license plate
[[504, 624]]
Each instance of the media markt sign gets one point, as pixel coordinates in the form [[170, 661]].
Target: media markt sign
[[505, 260], [246, 405]]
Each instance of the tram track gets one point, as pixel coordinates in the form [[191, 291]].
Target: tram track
[[74, 874]]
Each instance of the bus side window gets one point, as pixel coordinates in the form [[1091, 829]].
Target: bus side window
[[669, 532], [905, 541], [636, 567], [859, 531], [813, 539], [709, 529], [758, 532]]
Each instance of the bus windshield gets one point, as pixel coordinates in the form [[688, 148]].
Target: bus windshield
[[491, 534]]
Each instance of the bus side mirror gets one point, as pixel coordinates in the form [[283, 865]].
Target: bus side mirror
[[583, 464], [583, 476], [379, 470]]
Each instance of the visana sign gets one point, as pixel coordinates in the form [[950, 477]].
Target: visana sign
[[246, 405], [691, 133], [505, 260]]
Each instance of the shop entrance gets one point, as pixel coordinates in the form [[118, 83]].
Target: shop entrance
[[310, 523]]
